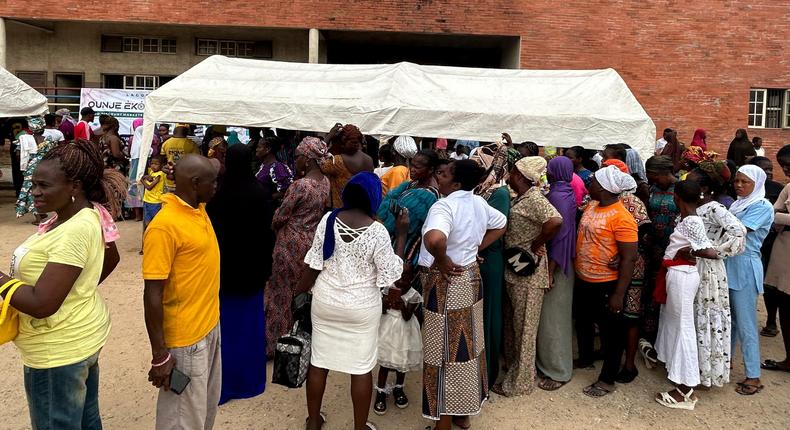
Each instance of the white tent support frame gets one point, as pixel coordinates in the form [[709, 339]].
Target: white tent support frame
[[561, 108]]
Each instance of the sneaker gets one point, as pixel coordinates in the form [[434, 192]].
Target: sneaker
[[401, 401], [380, 406]]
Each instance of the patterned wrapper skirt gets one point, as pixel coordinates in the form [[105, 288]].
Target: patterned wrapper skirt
[[454, 364]]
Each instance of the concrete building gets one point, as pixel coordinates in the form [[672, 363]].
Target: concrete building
[[705, 64]]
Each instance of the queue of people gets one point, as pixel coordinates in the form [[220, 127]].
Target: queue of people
[[473, 270]]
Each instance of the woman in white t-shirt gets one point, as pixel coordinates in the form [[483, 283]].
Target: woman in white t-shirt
[[63, 322]]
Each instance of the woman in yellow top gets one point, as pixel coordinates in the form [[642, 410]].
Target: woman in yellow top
[[404, 149], [63, 322]]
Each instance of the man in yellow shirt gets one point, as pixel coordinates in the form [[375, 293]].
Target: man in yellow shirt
[[176, 148], [181, 298]]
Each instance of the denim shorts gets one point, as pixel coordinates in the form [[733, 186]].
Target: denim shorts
[[149, 211]]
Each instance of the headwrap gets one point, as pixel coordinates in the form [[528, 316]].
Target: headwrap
[[405, 146], [635, 164], [717, 170], [616, 163], [614, 180], [35, 124], [233, 138], [313, 148], [213, 143], [441, 143], [493, 159], [562, 247], [512, 156], [696, 155], [66, 115], [699, 139], [532, 168], [136, 123], [371, 184], [757, 175]]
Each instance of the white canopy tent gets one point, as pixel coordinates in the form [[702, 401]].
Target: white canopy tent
[[18, 98], [561, 108]]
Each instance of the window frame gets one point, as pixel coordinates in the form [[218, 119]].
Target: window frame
[[764, 102], [786, 116], [134, 82]]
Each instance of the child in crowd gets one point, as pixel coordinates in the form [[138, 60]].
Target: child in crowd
[[400, 342], [676, 343], [154, 184]]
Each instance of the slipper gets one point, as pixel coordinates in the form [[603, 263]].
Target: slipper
[[548, 384], [769, 331], [668, 401], [596, 391], [745, 389], [774, 365]]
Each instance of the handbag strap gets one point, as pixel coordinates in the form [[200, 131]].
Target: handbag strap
[[14, 284]]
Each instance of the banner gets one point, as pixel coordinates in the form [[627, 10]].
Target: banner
[[124, 105]]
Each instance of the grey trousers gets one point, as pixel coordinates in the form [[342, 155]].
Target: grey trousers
[[555, 333], [196, 407]]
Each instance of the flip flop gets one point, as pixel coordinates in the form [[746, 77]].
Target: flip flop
[[745, 389], [596, 391], [774, 365], [548, 384]]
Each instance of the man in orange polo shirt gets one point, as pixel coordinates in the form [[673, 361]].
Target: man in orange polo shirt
[[181, 299]]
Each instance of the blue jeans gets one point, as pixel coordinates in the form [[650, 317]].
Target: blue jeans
[[743, 304], [65, 397]]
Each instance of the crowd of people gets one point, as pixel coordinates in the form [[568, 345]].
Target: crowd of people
[[471, 263]]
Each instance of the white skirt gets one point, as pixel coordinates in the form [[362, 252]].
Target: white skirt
[[400, 342], [676, 343], [344, 340]]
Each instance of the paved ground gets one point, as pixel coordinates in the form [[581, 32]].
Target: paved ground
[[128, 401]]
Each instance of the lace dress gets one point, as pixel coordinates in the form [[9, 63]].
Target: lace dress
[[676, 343], [712, 303], [346, 308]]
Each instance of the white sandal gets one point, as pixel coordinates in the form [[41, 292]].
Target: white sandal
[[644, 347], [668, 401]]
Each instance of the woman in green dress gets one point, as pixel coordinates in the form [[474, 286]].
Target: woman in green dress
[[495, 159]]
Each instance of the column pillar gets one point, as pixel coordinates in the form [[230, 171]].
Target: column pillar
[[312, 50], [2, 43]]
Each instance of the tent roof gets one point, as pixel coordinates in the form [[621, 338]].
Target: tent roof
[[560, 108], [18, 98]]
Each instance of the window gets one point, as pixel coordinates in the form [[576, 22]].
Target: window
[[34, 79], [234, 48], [769, 108], [140, 82], [131, 44], [207, 47], [152, 45]]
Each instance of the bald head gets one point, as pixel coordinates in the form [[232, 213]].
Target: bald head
[[196, 179]]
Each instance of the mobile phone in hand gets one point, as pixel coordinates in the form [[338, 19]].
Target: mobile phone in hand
[[178, 381]]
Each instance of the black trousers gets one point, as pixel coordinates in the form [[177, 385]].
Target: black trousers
[[591, 301]]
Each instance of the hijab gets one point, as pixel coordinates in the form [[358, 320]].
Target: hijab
[[757, 175], [699, 139], [562, 247], [371, 184]]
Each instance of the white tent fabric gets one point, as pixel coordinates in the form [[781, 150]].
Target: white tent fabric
[[559, 108], [18, 98]]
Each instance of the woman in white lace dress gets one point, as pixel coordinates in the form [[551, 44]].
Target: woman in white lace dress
[[350, 260], [676, 343], [712, 304]]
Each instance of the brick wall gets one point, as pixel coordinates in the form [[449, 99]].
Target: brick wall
[[690, 64]]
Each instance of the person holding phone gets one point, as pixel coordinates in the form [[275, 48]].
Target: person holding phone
[[181, 303]]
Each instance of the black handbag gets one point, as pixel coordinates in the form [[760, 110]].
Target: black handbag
[[521, 262], [292, 358]]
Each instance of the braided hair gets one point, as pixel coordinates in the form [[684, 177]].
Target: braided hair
[[82, 161]]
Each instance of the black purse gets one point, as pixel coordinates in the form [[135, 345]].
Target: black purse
[[292, 358], [521, 262]]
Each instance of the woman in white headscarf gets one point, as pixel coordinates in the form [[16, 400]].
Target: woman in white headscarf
[[606, 250], [745, 271], [404, 148]]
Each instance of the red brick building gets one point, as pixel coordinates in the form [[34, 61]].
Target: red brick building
[[713, 64]]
